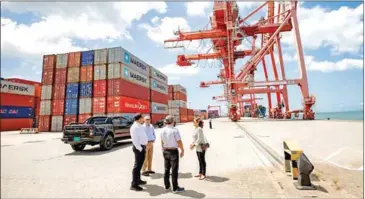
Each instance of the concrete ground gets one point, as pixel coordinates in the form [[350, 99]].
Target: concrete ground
[[34, 166]]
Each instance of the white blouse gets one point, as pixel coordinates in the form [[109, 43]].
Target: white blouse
[[198, 138]]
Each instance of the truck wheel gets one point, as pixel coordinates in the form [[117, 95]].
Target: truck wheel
[[78, 147], [107, 143]]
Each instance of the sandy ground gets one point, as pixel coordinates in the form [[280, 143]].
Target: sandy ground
[[34, 166]]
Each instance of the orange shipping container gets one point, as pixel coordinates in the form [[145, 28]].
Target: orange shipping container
[[180, 96], [61, 76], [44, 123], [74, 59], [69, 119], [73, 75], [86, 74], [49, 61], [83, 117], [47, 76], [13, 124], [58, 107]]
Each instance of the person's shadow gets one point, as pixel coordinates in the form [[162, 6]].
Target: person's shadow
[[155, 190]]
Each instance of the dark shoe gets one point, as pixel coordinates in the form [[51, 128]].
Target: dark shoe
[[145, 173], [151, 172], [136, 188], [142, 182], [167, 188], [179, 190]]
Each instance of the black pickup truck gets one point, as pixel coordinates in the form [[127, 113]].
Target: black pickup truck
[[103, 131]]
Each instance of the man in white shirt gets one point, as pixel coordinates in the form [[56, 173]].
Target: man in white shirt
[[171, 141], [150, 132], [139, 140]]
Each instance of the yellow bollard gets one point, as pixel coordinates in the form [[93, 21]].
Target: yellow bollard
[[292, 153]]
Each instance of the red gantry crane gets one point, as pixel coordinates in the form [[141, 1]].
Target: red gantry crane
[[228, 30]]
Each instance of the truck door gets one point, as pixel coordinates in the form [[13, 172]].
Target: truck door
[[117, 128], [125, 126]]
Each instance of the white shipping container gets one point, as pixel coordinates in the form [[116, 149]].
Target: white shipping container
[[120, 55], [174, 111], [179, 88], [101, 56], [85, 106], [98, 114], [17, 88], [159, 108], [62, 60], [115, 55], [57, 123], [46, 92], [134, 76], [177, 103], [114, 114], [158, 75], [114, 71], [159, 87], [100, 72], [45, 107]]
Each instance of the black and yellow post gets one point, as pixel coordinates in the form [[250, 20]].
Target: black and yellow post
[[292, 153]]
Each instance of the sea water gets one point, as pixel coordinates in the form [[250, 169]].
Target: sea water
[[345, 115]]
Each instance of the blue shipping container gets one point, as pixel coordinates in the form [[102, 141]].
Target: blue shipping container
[[71, 107], [86, 89], [87, 58], [72, 91], [16, 112]]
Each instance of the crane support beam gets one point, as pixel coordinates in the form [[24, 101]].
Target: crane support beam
[[237, 54], [257, 91]]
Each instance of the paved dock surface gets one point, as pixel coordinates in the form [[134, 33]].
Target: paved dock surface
[[41, 165]]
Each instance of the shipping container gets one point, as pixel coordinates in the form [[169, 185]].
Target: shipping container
[[16, 112], [37, 106], [72, 91], [73, 75], [115, 55], [114, 87], [121, 104], [45, 108], [47, 76], [101, 56], [57, 123], [87, 58], [171, 96], [158, 108], [156, 74], [157, 117], [86, 74], [170, 88], [179, 88], [120, 55], [183, 111], [62, 60], [59, 92], [15, 124], [134, 76], [114, 71], [46, 93], [8, 99], [177, 103], [174, 111], [82, 118], [74, 59], [85, 106], [190, 118], [113, 104], [58, 107], [100, 72], [99, 105], [68, 119], [61, 76], [16, 88], [44, 123], [37, 85], [86, 89], [49, 62], [99, 114], [159, 97], [129, 116], [180, 96], [71, 107], [159, 87], [99, 89], [130, 89]]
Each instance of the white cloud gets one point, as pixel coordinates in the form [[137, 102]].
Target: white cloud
[[177, 71], [198, 8], [328, 66]]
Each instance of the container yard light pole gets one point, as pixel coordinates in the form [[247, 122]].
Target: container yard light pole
[[228, 31]]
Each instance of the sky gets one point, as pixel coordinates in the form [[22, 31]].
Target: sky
[[331, 34]]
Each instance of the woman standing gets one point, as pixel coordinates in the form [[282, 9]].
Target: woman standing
[[200, 143]]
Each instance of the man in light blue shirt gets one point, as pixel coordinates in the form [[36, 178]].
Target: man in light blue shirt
[[150, 132]]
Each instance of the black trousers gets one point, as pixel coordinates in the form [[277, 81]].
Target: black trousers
[[171, 162], [139, 157], [202, 163], [210, 125]]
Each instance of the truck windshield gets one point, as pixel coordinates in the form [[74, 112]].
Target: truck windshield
[[97, 120]]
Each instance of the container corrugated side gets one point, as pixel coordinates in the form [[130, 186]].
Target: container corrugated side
[[71, 106], [82, 118], [159, 97], [177, 103], [7, 99], [74, 59], [85, 106], [157, 117], [114, 87], [114, 71], [58, 107], [130, 89], [45, 108], [16, 88], [46, 93], [44, 123], [115, 55], [159, 76], [179, 88], [62, 60], [48, 76], [180, 96], [61, 76], [14, 124], [16, 112], [159, 87], [72, 90], [87, 58], [158, 108], [99, 105], [59, 92], [57, 123], [113, 104], [73, 75], [86, 89], [99, 89], [87, 74], [135, 63], [174, 111], [69, 119], [49, 61], [101, 56], [135, 76], [100, 72]]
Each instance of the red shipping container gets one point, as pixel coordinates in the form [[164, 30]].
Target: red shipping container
[[99, 105], [157, 117], [59, 92], [7, 99], [190, 118], [171, 96], [74, 59], [58, 107], [83, 117], [183, 112], [113, 104], [159, 97], [61, 76], [86, 74], [132, 105], [130, 89], [14, 124], [47, 76], [99, 88], [49, 61], [114, 87], [180, 96], [44, 123], [69, 119], [37, 106], [170, 89]]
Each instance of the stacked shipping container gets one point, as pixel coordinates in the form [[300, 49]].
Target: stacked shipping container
[[159, 95], [177, 105]]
